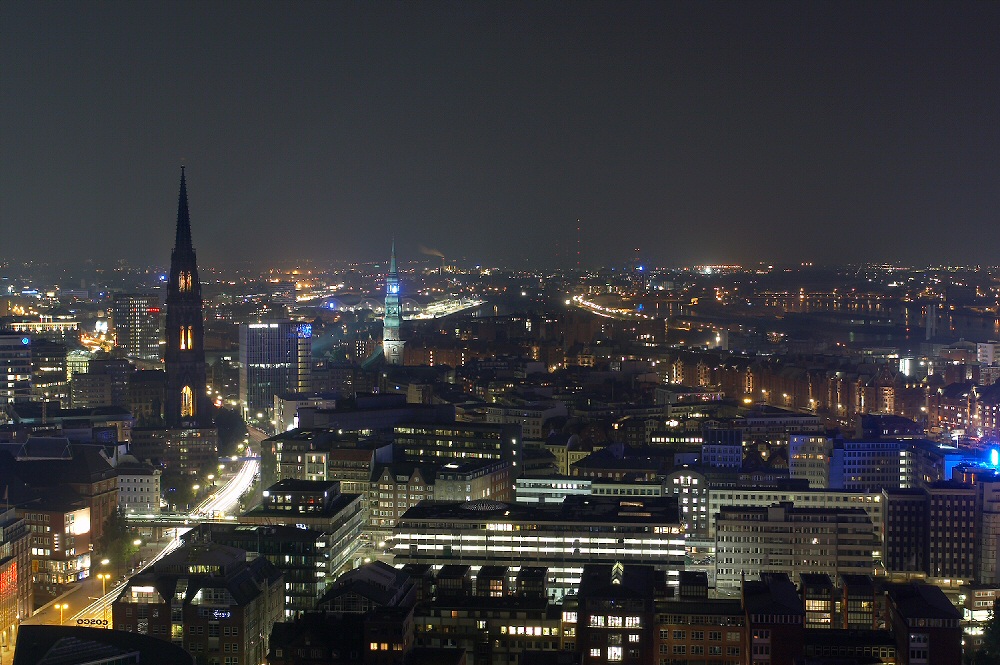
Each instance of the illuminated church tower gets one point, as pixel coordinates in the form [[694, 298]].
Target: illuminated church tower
[[392, 343], [186, 402]]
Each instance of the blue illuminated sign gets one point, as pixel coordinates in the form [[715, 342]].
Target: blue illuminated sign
[[221, 614], [25, 341], [305, 330]]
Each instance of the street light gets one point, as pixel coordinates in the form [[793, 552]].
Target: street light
[[104, 577], [62, 607]]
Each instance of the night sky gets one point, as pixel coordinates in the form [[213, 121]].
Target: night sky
[[697, 132]]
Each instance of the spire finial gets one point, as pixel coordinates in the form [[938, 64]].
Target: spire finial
[[183, 238]]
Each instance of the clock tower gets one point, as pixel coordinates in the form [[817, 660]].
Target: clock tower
[[392, 343]]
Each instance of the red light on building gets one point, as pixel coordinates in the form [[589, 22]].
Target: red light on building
[[8, 581], [153, 310]]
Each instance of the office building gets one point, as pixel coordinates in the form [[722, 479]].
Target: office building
[[275, 359], [320, 506], [904, 530], [15, 367], [719, 498], [287, 405], [751, 542], [426, 442], [301, 555], [951, 530], [90, 390], [532, 416], [397, 487], [561, 538], [809, 458], [722, 448], [135, 324], [48, 372]]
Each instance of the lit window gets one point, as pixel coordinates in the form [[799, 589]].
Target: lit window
[[187, 402]]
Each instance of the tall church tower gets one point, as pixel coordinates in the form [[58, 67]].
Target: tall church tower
[[186, 402], [392, 342]]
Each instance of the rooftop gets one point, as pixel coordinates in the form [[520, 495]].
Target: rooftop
[[574, 509]]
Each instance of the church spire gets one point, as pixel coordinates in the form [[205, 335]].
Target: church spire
[[183, 239], [392, 259]]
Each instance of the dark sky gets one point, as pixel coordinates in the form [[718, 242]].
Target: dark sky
[[696, 132]]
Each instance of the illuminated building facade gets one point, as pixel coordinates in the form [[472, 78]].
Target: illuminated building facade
[[616, 613], [460, 441], [275, 359], [16, 594], [135, 319], [752, 542], [186, 400], [48, 371], [60, 545], [561, 538], [392, 341], [15, 367], [320, 506]]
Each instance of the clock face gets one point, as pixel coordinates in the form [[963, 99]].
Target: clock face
[[392, 310], [394, 288]]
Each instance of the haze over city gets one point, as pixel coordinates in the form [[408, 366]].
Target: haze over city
[[712, 132], [479, 333]]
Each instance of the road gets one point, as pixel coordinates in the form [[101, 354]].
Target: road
[[224, 500]]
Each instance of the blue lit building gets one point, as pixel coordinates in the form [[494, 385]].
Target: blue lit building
[[15, 368], [275, 358]]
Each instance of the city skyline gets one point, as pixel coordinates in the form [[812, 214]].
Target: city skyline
[[716, 133]]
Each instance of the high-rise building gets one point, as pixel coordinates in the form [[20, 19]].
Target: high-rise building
[[48, 371], [275, 358], [186, 400], [136, 322], [392, 341], [15, 368]]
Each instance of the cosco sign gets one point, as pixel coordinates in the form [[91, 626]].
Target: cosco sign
[[92, 622]]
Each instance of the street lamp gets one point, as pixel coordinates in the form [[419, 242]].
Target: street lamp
[[62, 607], [104, 577]]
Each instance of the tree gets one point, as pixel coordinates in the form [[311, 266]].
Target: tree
[[232, 430], [117, 543], [989, 651]]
